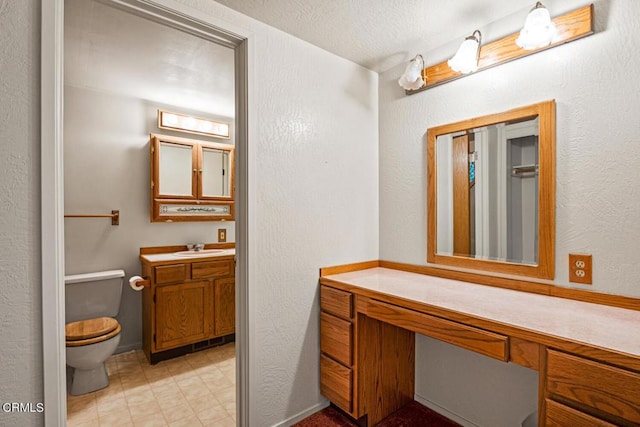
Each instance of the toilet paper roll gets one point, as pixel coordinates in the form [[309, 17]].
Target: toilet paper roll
[[133, 281]]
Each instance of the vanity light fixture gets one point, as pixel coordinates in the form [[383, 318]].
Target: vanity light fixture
[[413, 77], [190, 124], [466, 58], [538, 30]]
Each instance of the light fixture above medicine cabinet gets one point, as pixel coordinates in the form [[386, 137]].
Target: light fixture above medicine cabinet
[[190, 124], [491, 192], [191, 180]]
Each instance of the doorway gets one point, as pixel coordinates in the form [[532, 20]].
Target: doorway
[[53, 177]]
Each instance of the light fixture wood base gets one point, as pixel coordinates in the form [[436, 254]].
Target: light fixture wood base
[[570, 26]]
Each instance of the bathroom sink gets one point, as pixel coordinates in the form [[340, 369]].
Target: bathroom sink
[[202, 253]]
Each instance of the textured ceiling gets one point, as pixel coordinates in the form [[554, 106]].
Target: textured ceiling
[[378, 34], [112, 51]]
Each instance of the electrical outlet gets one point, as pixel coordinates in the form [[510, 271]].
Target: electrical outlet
[[222, 235], [580, 269]]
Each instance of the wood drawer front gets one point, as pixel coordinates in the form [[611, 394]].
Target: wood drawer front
[[559, 415], [209, 269], [478, 340], [336, 382], [336, 302], [335, 338], [171, 273], [610, 390]]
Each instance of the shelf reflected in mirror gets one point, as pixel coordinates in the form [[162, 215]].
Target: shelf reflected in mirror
[[491, 192]]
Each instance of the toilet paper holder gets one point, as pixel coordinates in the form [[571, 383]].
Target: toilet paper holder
[[138, 283]]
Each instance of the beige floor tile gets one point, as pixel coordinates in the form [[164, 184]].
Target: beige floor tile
[[225, 422], [156, 420], [166, 401], [189, 391], [83, 415], [79, 403], [213, 413], [226, 395], [177, 413], [144, 410], [166, 388], [111, 406], [140, 397], [117, 419], [230, 407], [218, 383], [193, 381], [113, 392], [158, 375], [193, 421], [91, 423], [202, 403]]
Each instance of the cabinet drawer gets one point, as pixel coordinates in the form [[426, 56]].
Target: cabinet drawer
[[559, 415], [478, 340], [336, 302], [610, 390], [335, 338], [171, 273], [335, 382], [209, 269]]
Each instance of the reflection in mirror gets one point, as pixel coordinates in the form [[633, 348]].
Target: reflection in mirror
[[175, 166], [493, 173], [215, 172], [491, 192]]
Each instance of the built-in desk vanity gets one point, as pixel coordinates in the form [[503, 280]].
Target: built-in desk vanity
[[587, 354], [188, 301]]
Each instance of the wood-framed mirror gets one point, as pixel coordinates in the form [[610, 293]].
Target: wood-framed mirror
[[491, 192]]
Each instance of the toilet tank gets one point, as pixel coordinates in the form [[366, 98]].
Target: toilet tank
[[92, 295]]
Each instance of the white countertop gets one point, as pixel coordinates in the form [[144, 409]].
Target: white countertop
[[597, 325], [178, 256]]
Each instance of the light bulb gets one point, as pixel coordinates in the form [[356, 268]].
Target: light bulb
[[538, 30]]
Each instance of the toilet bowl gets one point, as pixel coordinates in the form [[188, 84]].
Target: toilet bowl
[[92, 333], [89, 343]]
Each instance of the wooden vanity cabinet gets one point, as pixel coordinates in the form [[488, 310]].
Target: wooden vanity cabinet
[[584, 392], [367, 360], [188, 305], [336, 344]]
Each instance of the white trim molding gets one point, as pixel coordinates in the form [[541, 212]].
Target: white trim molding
[[175, 15]]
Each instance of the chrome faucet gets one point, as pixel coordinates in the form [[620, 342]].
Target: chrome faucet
[[195, 246]]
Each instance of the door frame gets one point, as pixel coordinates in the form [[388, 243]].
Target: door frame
[[172, 14]]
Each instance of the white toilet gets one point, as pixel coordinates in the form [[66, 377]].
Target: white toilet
[[92, 301]]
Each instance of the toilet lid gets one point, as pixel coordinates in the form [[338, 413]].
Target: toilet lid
[[91, 328]]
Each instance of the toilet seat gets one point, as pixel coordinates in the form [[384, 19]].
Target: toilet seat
[[91, 331]]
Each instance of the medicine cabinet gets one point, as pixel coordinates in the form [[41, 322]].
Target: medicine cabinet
[[191, 180]]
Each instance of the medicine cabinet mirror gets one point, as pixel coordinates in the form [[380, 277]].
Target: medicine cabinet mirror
[[491, 192], [191, 180]]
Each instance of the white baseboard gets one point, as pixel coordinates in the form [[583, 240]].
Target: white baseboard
[[302, 415], [444, 412]]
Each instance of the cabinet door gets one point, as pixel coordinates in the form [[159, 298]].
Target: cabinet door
[[184, 314], [216, 165], [225, 306], [174, 169]]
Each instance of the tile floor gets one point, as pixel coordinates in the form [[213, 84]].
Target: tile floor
[[193, 390]]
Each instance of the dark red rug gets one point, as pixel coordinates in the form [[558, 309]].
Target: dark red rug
[[412, 414]]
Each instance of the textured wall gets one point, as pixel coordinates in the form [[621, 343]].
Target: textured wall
[[20, 294], [597, 93], [106, 165], [314, 194]]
